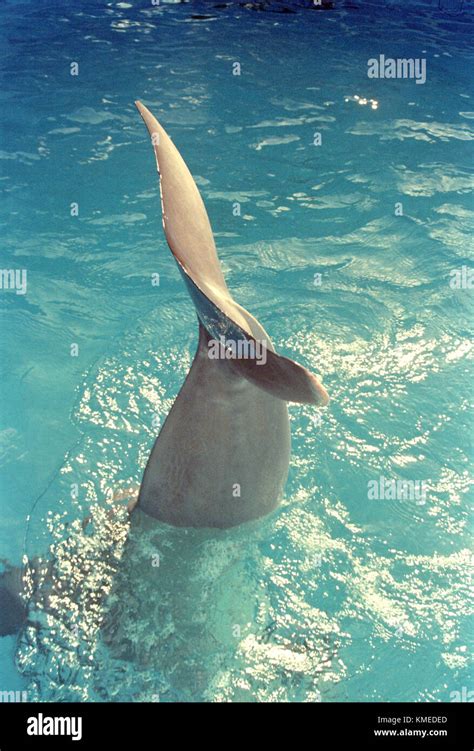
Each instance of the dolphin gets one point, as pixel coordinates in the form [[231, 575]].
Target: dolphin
[[222, 456]]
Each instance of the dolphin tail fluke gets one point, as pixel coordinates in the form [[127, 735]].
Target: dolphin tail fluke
[[189, 236]]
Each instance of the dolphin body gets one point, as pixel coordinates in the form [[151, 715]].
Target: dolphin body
[[222, 455]]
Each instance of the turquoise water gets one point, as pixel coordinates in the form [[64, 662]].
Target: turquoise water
[[337, 596]]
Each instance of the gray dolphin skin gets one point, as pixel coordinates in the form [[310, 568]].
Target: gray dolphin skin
[[222, 455]]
